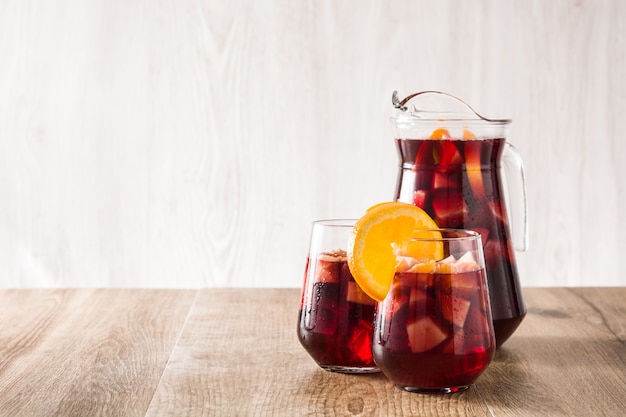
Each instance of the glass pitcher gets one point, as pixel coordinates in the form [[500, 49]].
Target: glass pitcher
[[452, 165]]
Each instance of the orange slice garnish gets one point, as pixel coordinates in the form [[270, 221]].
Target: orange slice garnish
[[382, 234]]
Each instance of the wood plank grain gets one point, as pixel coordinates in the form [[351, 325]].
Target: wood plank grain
[[567, 358], [92, 352], [239, 355], [85, 352]]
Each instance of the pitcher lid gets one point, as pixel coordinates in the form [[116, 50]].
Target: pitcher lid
[[420, 115], [437, 106]]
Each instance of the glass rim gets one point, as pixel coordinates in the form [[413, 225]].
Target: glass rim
[[344, 222], [457, 122], [454, 235]]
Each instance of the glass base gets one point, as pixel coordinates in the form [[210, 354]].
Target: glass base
[[447, 390], [350, 369]]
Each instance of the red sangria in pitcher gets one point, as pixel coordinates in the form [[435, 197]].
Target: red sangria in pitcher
[[452, 164]]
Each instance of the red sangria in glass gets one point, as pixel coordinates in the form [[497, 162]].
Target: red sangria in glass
[[434, 332], [336, 317]]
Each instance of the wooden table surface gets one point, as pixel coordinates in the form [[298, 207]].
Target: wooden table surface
[[125, 352]]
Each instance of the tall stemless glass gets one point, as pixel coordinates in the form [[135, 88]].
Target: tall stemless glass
[[433, 332], [336, 317]]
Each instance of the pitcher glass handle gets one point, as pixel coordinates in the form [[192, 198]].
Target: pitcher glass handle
[[517, 207]]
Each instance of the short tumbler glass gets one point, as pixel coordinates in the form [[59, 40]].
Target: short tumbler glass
[[433, 332], [336, 317]]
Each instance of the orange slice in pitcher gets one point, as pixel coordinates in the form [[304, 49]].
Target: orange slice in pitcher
[[473, 165], [380, 235], [440, 133]]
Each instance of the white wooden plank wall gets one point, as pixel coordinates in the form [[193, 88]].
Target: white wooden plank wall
[[180, 143]]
